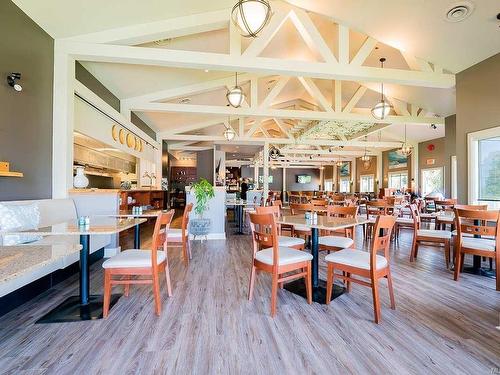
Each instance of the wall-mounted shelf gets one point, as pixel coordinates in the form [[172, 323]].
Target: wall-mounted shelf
[[11, 174]]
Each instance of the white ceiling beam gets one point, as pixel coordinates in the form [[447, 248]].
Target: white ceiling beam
[[364, 51], [264, 131], [275, 91], [254, 92], [311, 35], [193, 127], [166, 29], [285, 141], [259, 44], [400, 107], [337, 92], [416, 63], [254, 127], [315, 93], [234, 40], [258, 65], [343, 45], [278, 113], [355, 98], [241, 126], [196, 88], [298, 151], [283, 127], [191, 148], [374, 129]]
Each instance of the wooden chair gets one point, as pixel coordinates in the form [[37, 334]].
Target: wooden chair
[[477, 223], [364, 264], [283, 241], [319, 202], [136, 262], [373, 209], [342, 239], [433, 236], [300, 209], [283, 263], [283, 227], [180, 237]]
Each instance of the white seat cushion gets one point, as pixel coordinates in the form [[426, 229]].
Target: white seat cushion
[[455, 233], [287, 241], [355, 258], [133, 259], [404, 220], [427, 216], [302, 228], [478, 243], [445, 218], [336, 241], [286, 256], [443, 234], [174, 233]]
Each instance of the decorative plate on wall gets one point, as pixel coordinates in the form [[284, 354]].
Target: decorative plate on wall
[[130, 140], [121, 136], [137, 144], [114, 132], [140, 146]]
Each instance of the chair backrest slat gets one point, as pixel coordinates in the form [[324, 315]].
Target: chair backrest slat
[[160, 239], [382, 238], [265, 234]]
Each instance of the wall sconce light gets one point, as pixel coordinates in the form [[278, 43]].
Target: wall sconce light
[[11, 80]]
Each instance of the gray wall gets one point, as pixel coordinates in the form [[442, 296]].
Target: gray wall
[[478, 108], [449, 149], [134, 119], [25, 117], [85, 77], [277, 184], [291, 183]]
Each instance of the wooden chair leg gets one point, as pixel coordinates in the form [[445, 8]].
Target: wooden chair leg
[[329, 283], [376, 300], [156, 293], [413, 249], [251, 284], [184, 253], [447, 253], [308, 284], [274, 294], [391, 290], [458, 260], [107, 294], [126, 287], [497, 272], [167, 278]]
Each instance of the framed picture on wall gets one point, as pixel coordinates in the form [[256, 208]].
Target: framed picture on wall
[[345, 169], [396, 160]]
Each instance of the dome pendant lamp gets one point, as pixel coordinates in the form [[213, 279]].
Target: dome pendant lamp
[[235, 96], [251, 16], [382, 108]]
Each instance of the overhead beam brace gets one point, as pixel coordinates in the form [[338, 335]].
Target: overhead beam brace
[[278, 113], [315, 93], [258, 65]]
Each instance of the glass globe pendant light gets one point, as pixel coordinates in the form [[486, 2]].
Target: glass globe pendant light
[[251, 16], [382, 108], [229, 133], [235, 96], [405, 149]]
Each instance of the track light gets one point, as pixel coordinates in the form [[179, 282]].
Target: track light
[[11, 80]]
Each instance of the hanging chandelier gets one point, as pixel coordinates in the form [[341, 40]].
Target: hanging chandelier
[[251, 16], [405, 149], [382, 108], [229, 132], [339, 163], [366, 159], [235, 96]]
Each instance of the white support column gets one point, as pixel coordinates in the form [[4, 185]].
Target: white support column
[[266, 170], [353, 175], [256, 175], [335, 168], [414, 168], [284, 185], [158, 167], [379, 176], [63, 123]]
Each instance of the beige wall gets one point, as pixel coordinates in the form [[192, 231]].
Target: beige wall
[[360, 170], [478, 108], [438, 155]]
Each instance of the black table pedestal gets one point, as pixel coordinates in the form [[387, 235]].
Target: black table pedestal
[[318, 293], [476, 268], [137, 237], [239, 218]]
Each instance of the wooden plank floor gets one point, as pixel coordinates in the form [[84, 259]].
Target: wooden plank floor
[[209, 327]]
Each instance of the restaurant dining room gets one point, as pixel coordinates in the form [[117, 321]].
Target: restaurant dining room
[[250, 187]]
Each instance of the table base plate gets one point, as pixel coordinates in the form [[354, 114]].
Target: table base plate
[[319, 293], [70, 310], [480, 271]]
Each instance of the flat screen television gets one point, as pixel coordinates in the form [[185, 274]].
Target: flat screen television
[[269, 179], [303, 179]]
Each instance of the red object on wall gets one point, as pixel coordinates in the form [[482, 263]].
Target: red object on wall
[[431, 147]]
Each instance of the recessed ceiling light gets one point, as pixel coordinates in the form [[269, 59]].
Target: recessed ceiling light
[[206, 70], [459, 11], [185, 100]]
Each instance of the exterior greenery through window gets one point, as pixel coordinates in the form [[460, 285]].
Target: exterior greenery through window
[[489, 169], [432, 181], [366, 183], [398, 180]]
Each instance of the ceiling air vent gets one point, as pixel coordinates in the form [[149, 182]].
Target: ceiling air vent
[[185, 100], [459, 12]]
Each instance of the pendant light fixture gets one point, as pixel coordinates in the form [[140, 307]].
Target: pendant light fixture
[[251, 16], [229, 133], [405, 149], [382, 108], [235, 96], [339, 162], [366, 159]]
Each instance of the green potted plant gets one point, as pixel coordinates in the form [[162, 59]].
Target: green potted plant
[[203, 192]]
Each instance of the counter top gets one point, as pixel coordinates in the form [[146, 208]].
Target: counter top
[[94, 191]]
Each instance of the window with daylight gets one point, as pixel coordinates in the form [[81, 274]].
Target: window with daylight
[[489, 169], [366, 183], [398, 180], [345, 185], [432, 181], [328, 185]]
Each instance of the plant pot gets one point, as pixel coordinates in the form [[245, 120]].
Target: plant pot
[[199, 227]]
